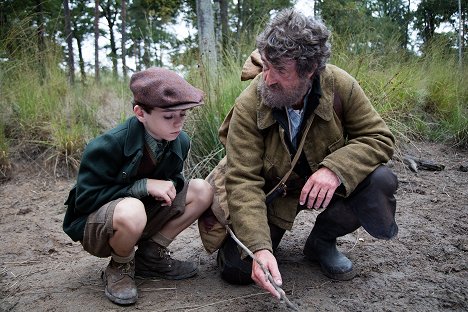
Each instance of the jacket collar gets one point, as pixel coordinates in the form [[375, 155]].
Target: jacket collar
[[135, 139], [324, 110]]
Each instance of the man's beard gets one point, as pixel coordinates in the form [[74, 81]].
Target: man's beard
[[275, 96]]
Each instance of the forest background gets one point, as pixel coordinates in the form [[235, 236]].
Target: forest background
[[409, 56]]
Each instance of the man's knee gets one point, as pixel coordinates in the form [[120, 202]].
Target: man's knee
[[384, 179]]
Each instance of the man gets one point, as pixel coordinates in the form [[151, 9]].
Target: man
[[341, 164], [130, 189]]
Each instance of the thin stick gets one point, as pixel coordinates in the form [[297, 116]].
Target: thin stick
[[222, 301], [283, 297]]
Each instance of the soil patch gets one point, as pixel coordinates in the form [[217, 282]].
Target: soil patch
[[424, 269]]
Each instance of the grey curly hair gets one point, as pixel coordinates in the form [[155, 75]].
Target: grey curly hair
[[290, 35]]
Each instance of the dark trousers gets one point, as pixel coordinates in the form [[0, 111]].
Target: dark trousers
[[372, 205]]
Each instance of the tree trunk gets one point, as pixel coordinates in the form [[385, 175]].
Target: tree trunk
[[146, 59], [113, 47], [124, 39], [217, 28], [137, 53], [206, 36], [223, 8], [69, 39], [239, 19], [96, 41], [81, 60], [460, 34]]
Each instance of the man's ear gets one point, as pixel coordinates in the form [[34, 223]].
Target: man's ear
[[139, 113]]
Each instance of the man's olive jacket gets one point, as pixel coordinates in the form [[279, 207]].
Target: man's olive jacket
[[257, 153], [109, 168]]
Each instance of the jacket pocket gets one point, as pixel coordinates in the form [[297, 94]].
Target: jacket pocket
[[336, 145]]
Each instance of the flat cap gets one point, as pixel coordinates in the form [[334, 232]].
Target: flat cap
[[163, 88]]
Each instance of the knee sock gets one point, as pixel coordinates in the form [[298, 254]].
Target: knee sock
[[120, 259], [162, 240]]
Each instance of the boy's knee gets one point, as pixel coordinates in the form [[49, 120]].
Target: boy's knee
[[200, 189], [130, 214]]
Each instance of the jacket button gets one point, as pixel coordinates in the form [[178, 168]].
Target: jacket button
[[124, 175]]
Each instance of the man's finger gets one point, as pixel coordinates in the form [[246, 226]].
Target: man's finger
[[319, 199], [312, 198], [305, 193]]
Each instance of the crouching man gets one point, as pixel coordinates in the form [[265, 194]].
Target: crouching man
[[298, 101]]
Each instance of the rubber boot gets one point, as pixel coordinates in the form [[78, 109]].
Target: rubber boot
[[154, 260], [372, 205], [333, 222]]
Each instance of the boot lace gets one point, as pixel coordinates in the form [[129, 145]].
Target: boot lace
[[125, 268], [165, 253]]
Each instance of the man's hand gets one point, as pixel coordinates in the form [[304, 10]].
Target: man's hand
[[319, 189], [259, 277], [161, 190]]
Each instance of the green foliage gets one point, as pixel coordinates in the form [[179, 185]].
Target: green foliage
[[40, 111], [420, 97], [205, 121]]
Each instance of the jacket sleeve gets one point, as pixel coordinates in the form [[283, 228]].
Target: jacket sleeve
[[244, 183], [369, 140], [101, 177]]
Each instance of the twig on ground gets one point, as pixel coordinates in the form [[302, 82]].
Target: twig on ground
[[222, 301], [283, 297], [157, 289], [356, 241]]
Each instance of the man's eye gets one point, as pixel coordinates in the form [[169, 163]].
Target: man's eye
[[168, 117]]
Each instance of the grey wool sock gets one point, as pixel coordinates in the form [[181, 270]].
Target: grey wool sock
[[162, 240], [120, 259]]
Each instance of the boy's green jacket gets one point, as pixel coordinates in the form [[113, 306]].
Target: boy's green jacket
[[109, 168]]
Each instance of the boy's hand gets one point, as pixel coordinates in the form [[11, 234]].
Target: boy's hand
[[161, 190]]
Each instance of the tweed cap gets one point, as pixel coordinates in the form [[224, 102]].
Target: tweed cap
[[163, 88]]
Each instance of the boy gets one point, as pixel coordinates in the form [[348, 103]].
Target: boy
[[130, 190]]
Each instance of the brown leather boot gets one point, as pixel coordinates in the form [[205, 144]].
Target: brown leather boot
[[154, 260], [120, 282]]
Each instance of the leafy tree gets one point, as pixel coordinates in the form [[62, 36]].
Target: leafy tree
[[430, 14], [110, 10], [392, 17], [148, 21], [82, 22]]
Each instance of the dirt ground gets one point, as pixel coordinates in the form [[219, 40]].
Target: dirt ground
[[424, 269]]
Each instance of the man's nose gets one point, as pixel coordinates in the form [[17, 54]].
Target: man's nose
[[269, 77]]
